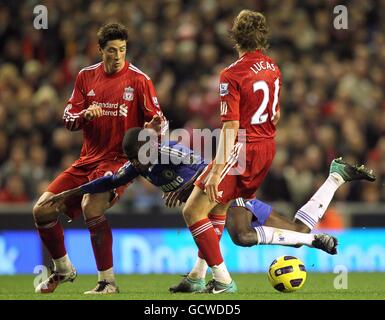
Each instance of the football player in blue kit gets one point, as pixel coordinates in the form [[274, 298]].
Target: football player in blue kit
[[249, 222]]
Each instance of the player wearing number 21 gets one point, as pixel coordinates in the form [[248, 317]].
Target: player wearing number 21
[[249, 91]]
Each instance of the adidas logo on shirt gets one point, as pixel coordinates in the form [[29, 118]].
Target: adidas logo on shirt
[[91, 93]]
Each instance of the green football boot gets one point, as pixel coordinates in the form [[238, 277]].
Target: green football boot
[[349, 172], [188, 285], [215, 287]]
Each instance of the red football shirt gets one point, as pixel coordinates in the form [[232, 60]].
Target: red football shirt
[[249, 90], [127, 98]]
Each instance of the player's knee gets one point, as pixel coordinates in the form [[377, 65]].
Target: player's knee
[[43, 214], [187, 213], [92, 209], [89, 211], [37, 212], [245, 238]]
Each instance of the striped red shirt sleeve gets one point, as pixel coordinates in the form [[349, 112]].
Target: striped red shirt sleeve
[[73, 114], [148, 99], [230, 97]]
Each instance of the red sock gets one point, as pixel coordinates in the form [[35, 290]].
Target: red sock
[[207, 241], [52, 235], [101, 239], [218, 222]]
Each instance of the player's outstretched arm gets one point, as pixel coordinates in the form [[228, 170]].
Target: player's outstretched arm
[[103, 184], [124, 175], [225, 146], [58, 199]]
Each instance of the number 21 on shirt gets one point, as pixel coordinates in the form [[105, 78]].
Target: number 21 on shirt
[[259, 116]]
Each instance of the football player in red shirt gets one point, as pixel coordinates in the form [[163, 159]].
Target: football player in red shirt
[[108, 98], [249, 90]]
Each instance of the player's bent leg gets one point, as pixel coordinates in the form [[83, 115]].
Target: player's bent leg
[[221, 282], [247, 229], [51, 234], [278, 220], [195, 280], [340, 172], [291, 232], [45, 214], [197, 206], [195, 213], [238, 225], [301, 227], [93, 207]]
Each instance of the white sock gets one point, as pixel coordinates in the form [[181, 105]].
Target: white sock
[[199, 270], [63, 264], [221, 274], [316, 207], [270, 235], [107, 275]]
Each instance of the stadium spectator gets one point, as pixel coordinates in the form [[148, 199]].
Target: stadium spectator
[[14, 190]]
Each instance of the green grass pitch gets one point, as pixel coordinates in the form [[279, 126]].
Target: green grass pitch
[[155, 287]]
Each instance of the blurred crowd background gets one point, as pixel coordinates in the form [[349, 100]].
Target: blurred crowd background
[[332, 102]]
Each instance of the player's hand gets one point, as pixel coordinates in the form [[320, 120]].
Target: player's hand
[[157, 123], [276, 118], [171, 199], [211, 186], [93, 112], [54, 200], [177, 198]]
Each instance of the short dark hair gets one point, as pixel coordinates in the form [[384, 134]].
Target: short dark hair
[[112, 31], [250, 31], [131, 143]]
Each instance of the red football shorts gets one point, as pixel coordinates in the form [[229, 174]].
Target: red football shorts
[[75, 176], [244, 172]]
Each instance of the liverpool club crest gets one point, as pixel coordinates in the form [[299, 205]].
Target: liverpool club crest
[[128, 94]]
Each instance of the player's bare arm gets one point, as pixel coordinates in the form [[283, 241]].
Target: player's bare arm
[[226, 144], [58, 199]]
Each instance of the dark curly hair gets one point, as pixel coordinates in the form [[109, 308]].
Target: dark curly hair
[[111, 31], [250, 31]]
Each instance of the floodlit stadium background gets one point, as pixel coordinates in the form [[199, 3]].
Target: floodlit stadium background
[[333, 103]]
